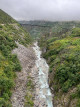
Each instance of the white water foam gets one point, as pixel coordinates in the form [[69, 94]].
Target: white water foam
[[43, 77]]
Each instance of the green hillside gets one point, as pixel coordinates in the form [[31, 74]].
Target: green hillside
[[62, 52], [10, 31], [5, 18]]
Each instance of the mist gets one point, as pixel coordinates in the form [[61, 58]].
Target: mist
[[51, 10]]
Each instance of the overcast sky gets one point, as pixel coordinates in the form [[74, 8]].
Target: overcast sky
[[53, 10]]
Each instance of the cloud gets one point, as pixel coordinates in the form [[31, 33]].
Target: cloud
[[52, 10]]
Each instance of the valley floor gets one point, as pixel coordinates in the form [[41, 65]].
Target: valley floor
[[32, 89], [27, 59]]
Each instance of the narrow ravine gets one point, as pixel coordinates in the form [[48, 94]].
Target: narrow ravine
[[44, 96]]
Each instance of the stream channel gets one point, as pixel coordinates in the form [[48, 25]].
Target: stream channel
[[43, 69]]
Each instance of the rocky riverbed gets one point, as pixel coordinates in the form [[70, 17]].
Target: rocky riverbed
[[35, 67], [26, 57]]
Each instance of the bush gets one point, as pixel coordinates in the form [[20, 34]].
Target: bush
[[4, 103], [78, 103], [78, 91], [1, 26], [76, 32], [8, 71], [66, 85], [52, 58], [5, 85], [15, 62], [17, 67]]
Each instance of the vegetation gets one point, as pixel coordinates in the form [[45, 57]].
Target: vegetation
[[10, 31], [29, 95], [63, 56], [5, 18], [39, 28], [60, 43]]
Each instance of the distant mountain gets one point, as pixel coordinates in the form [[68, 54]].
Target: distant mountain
[[39, 28], [38, 23]]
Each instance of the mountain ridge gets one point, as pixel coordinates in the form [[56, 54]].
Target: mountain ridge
[[5, 18]]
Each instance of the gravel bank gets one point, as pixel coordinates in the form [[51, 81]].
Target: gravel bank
[[26, 57]]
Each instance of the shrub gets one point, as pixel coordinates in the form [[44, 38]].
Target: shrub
[[78, 91], [4, 103], [5, 85], [52, 58], [76, 32], [66, 85], [17, 67], [78, 103], [1, 26]]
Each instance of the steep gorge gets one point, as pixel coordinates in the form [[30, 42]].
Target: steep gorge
[[24, 72], [20, 82], [60, 46]]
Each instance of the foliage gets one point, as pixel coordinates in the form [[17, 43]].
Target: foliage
[[10, 33], [63, 56], [38, 29], [5, 18], [76, 32], [29, 96]]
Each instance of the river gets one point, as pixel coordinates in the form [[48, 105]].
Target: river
[[43, 69]]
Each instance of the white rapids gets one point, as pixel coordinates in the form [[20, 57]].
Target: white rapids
[[43, 68]]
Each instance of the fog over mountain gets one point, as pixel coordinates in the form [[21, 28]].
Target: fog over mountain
[[53, 10]]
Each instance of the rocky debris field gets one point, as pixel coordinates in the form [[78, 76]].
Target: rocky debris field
[[26, 57], [38, 102]]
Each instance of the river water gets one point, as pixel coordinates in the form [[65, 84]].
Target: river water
[[43, 68]]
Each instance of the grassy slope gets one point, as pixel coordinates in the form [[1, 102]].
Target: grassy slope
[[5, 18], [10, 31], [63, 56]]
